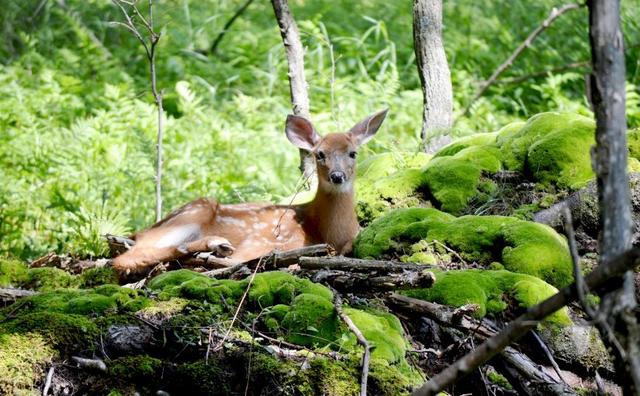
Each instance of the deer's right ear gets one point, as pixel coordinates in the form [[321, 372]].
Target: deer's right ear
[[301, 133]]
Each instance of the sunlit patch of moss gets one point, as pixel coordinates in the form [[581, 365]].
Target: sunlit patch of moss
[[496, 378], [490, 290], [478, 139], [388, 180], [383, 331], [93, 277], [160, 311], [49, 278], [66, 332], [453, 180], [12, 272], [23, 360], [520, 246]]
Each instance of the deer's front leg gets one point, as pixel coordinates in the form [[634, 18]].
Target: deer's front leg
[[218, 245]]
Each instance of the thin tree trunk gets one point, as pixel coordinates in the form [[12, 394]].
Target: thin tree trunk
[[434, 74], [297, 82], [607, 89]]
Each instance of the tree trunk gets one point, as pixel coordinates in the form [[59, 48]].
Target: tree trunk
[[434, 74], [297, 83], [607, 89]]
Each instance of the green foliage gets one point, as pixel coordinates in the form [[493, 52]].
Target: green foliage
[[77, 141]]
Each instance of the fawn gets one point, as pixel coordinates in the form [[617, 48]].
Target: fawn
[[242, 232]]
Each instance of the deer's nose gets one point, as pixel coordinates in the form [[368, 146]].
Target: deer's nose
[[337, 177]]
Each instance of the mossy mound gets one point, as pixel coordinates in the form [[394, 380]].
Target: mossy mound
[[297, 309], [491, 291], [478, 139], [557, 149], [388, 180], [17, 274], [86, 302], [520, 246]]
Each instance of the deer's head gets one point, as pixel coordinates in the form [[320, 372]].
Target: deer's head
[[335, 154]]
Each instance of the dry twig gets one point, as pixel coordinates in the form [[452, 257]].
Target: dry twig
[[337, 304]]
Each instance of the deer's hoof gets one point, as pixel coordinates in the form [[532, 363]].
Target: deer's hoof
[[220, 246]]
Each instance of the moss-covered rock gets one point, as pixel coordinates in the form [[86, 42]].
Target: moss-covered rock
[[388, 180], [520, 246], [490, 290]]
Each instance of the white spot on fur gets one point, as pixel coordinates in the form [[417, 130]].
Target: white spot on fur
[[259, 226], [178, 235], [231, 220]]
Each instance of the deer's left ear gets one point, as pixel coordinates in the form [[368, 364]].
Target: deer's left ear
[[363, 131]]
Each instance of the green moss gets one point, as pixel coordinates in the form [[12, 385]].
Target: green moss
[[496, 378], [551, 148], [386, 379], [562, 157], [139, 368], [12, 273], [490, 290], [400, 226], [68, 332], [385, 164], [23, 360], [478, 139], [311, 321], [388, 180], [520, 246], [49, 278], [98, 276], [383, 331], [633, 142], [453, 180]]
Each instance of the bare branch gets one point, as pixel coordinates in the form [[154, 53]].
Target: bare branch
[[553, 16], [228, 24]]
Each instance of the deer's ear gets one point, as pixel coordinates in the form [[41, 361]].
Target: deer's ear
[[301, 133], [363, 131]]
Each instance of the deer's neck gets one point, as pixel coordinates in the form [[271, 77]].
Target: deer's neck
[[331, 217]]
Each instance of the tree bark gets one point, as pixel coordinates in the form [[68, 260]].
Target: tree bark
[[607, 89], [435, 77], [297, 82]]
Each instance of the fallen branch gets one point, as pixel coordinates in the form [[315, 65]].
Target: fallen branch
[[354, 281], [47, 382], [597, 281], [553, 15], [337, 304], [89, 364], [11, 294], [284, 259], [357, 265]]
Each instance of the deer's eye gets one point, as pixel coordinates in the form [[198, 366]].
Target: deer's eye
[[320, 155], [353, 154]]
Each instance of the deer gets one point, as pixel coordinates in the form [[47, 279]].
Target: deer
[[240, 232]]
